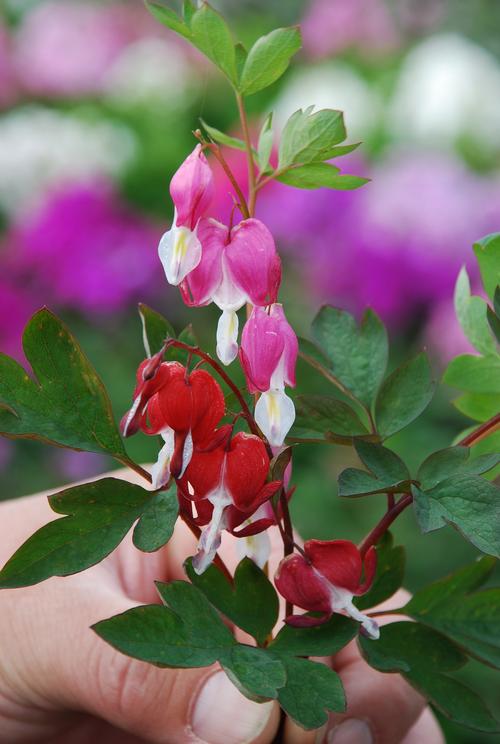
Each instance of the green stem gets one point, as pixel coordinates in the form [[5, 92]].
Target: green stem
[[252, 182]]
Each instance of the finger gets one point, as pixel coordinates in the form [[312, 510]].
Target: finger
[[426, 729]]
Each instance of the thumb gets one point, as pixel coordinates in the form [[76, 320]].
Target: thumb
[[160, 705]]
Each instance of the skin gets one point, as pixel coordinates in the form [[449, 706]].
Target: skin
[[60, 683]]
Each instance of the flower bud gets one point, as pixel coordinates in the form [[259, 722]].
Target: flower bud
[[192, 189]]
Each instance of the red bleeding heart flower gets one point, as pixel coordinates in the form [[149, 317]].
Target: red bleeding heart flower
[[325, 579], [184, 408], [227, 484]]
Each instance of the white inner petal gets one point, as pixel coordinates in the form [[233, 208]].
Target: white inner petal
[[227, 337], [180, 252], [275, 414], [257, 547], [211, 535], [341, 600], [160, 472]]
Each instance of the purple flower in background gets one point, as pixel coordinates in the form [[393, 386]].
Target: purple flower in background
[[16, 307], [87, 250], [7, 81], [75, 466], [88, 36]]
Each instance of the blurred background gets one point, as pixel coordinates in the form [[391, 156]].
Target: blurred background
[[97, 106]]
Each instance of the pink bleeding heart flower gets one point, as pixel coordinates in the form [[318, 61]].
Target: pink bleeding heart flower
[[268, 355], [325, 579], [237, 266], [227, 483], [191, 189]]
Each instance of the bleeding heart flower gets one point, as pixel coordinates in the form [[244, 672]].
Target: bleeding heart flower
[[237, 266], [268, 356], [325, 580], [191, 189], [227, 484]]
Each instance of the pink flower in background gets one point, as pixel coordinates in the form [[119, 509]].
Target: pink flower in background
[[7, 77], [16, 308], [86, 250]]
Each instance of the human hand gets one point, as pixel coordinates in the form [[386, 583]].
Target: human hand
[[59, 682]]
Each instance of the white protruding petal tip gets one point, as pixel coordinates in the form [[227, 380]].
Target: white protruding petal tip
[[180, 252], [257, 547], [160, 472], [227, 337], [275, 414]]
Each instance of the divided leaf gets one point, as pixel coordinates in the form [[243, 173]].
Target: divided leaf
[[487, 252], [268, 59], [328, 416], [222, 138], [423, 657], [319, 175], [67, 404], [319, 640], [310, 137], [404, 395], [474, 374], [211, 34], [357, 355], [251, 603], [157, 522], [311, 690], [265, 145], [169, 18], [99, 515], [472, 315], [452, 461], [388, 473]]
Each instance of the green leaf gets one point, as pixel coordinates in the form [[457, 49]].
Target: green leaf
[[188, 10], [327, 415], [478, 406], [339, 150], [470, 503], [99, 515], [155, 329], [390, 573], [186, 633], [487, 252], [404, 395], [169, 18], [211, 34], [252, 603], [472, 620], [358, 355], [453, 461], [388, 473], [268, 59], [222, 138], [188, 337], [265, 145], [310, 137], [318, 175], [67, 404], [475, 374], [319, 640], [254, 671], [240, 54], [157, 522], [311, 690], [422, 655], [494, 319], [312, 354], [471, 314]]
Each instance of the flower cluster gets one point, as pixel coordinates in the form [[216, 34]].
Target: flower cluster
[[233, 266]]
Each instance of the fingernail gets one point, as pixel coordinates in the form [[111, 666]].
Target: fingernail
[[351, 731], [222, 714]]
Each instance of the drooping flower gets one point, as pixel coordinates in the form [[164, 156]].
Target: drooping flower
[[268, 356], [237, 266], [191, 189], [227, 483], [184, 408], [325, 580]]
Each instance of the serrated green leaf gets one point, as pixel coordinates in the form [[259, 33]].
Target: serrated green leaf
[[268, 59], [211, 34], [251, 603], [319, 175], [310, 137], [453, 461], [67, 404], [156, 525], [471, 314], [222, 138], [325, 414], [404, 395], [470, 503], [388, 473], [421, 655], [389, 576], [155, 329], [265, 144], [311, 690], [487, 252], [169, 18], [474, 374], [254, 671], [99, 515], [319, 640], [357, 355]]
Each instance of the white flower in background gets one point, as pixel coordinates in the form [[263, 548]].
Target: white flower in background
[[449, 87], [331, 85], [40, 147], [150, 69]]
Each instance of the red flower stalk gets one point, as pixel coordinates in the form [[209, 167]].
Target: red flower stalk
[[325, 580], [227, 484]]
